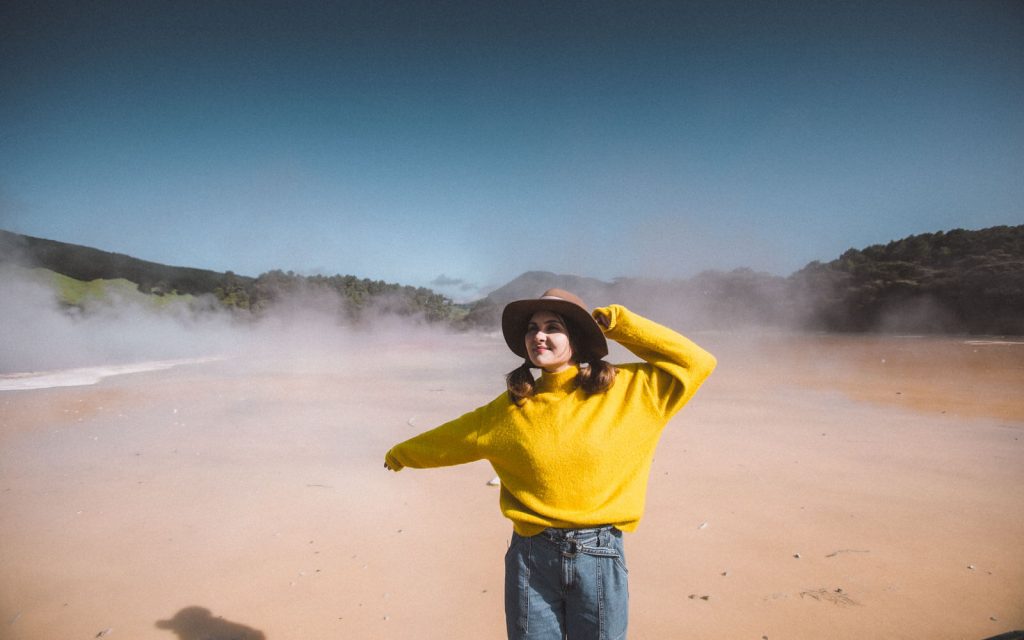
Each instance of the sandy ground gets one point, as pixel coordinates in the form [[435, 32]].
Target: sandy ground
[[815, 488]]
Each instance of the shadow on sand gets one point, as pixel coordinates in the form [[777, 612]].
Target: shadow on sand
[[196, 623]]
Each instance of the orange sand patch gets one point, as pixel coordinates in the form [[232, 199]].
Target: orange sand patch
[[960, 376], [249, 496]]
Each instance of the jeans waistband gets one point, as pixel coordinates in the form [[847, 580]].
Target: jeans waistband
[[557, 535], [589, 540]]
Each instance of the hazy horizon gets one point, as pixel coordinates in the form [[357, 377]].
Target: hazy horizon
[[442, 283]]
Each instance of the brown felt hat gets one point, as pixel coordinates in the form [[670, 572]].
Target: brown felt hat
[[584, 331]]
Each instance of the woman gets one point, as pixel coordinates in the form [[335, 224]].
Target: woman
[[573, 450]]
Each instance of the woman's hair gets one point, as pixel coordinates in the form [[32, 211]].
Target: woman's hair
[[520, 383], [596, 377]]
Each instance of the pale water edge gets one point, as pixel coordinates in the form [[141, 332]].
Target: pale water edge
[[87, 375]]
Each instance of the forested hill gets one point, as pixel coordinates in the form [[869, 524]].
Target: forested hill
[[963, 281], [87, 263], [241, 293], [945, 282]]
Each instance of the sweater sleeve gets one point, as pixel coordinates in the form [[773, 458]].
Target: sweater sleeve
[[452, 443], [679, 365]]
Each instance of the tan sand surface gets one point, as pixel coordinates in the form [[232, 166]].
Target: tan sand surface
[[817, 487]]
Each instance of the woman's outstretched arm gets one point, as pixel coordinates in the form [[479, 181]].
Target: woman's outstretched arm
[[452, 443]]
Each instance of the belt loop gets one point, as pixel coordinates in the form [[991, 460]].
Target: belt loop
[[570, 547]]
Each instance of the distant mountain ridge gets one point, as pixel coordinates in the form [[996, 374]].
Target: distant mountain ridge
[[712, 299], [532, 283], [959, 281]]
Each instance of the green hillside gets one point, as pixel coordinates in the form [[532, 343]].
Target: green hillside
[[88, 264], [83, 295], [86, 274]]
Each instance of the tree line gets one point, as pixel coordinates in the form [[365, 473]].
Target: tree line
[[357, 295], [958, 281]]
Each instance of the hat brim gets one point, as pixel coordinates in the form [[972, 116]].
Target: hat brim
[[586, 334]]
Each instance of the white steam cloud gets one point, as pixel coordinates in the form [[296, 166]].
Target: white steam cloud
[[40, 334]]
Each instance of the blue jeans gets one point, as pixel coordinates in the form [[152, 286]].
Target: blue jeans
[[567, 583]]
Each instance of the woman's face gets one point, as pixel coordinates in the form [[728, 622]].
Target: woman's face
[[547, 342]]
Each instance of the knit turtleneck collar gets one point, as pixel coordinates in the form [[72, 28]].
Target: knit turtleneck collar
[[564, 380]]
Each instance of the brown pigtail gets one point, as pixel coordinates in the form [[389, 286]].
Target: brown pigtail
[[520, 383], [597, 377]]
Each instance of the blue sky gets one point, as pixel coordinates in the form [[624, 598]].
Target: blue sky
[[453, 144]]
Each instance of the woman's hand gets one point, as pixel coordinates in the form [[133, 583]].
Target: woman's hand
[[391, 464]]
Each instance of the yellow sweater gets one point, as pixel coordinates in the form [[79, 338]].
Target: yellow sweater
[[567, 460]]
